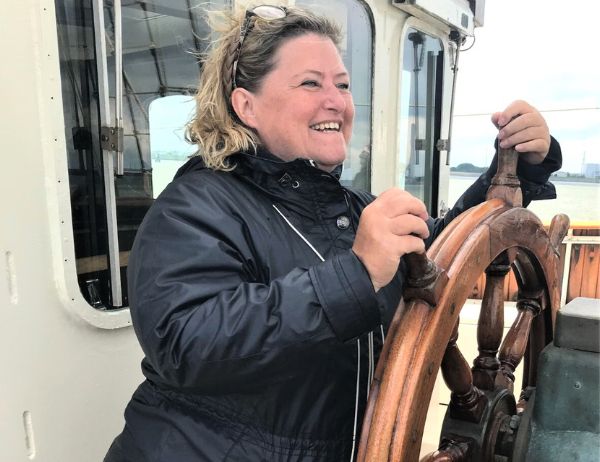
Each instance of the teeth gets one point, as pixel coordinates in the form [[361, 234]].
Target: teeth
[[326, 126]]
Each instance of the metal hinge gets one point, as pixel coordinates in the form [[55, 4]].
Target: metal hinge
[[111, 139], [420, 144]]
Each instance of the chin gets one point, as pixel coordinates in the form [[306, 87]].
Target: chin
[[329, 162]]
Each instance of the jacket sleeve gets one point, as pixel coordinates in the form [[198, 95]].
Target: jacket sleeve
[[534, 185], [205, 310]]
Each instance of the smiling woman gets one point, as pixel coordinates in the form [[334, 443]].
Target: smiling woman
[[304, 108], [261, 287]]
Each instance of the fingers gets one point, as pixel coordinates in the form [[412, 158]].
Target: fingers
[[409, 225], [514, 109], [522, 136], [390, 227], [524, 128], [395, 202]]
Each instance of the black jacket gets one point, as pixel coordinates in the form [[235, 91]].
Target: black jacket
[[255, 349]]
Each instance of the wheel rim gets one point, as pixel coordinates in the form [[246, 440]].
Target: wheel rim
[[418, 336]]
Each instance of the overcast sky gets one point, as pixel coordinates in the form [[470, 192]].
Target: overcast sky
[[542, 51]]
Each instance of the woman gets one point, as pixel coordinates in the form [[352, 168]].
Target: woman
[[260, 288]]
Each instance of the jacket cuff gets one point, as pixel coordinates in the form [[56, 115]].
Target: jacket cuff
[[346, 294]]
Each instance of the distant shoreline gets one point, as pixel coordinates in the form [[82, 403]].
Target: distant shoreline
[[562, 179]]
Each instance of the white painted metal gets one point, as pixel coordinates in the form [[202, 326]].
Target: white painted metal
[[64, 383], [454, 13]]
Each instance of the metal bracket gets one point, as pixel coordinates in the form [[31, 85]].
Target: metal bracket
[[420, 144], [111, 138]]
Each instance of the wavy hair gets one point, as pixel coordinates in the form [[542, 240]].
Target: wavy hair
[[215, 127]]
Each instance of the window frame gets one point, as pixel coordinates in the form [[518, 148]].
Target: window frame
[[70, 290], [439, 170]]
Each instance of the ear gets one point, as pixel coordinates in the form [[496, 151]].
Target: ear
[[242, 102]]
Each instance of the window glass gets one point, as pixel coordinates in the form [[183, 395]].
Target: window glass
[[161, 41], [419, 117], [169, 149]]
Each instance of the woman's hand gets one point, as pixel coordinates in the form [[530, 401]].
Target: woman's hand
[[391, 226], [522, 126]]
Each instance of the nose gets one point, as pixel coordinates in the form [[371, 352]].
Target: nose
[[334, 99]]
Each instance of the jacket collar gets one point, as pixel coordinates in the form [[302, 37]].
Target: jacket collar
[[264, 161], [297, 185]]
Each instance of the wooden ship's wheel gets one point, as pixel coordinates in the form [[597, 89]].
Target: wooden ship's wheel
[[491, 237]]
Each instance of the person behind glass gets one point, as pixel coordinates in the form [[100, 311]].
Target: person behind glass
[[260, 288]]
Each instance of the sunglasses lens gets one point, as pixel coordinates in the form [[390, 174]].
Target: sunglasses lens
[[269, 12]]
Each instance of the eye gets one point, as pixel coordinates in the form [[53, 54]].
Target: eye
[[344, 86], [310, 83]]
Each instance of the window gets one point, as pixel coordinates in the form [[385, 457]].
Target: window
[[160, 69], [169, 150], [420, 116], [158, 39]]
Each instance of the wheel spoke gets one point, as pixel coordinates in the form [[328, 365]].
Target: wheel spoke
[[515, 343], [466, 401], [491, 324]]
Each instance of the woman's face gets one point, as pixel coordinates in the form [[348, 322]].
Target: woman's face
[[304, 107]]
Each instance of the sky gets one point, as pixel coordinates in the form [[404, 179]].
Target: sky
[[544, 52]]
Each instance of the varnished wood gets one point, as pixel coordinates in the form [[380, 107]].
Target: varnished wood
[[491, 324], [412, 355], [558, 229], [515, 343], [425, 280], [584, 278], [466, 401], [421, 338], [417, 339], [505, 184]]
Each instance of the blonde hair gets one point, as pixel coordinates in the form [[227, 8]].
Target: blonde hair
[[215, 128]]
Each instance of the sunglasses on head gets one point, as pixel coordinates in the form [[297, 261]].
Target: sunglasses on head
[[265, 12]]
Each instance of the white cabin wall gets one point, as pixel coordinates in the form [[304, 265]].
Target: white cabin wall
[[74, 379]]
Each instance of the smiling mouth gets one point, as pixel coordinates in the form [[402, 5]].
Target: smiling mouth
[[326, 127]]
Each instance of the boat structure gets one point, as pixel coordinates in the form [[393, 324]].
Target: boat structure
[[96, 95]]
